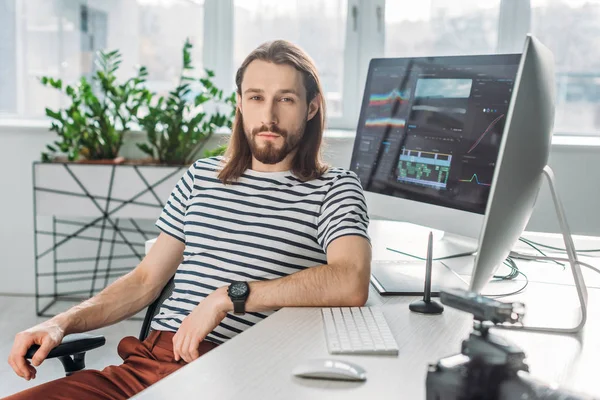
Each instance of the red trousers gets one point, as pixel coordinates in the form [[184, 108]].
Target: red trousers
[[144, 363]]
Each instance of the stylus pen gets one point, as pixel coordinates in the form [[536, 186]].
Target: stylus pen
[[428, 265]]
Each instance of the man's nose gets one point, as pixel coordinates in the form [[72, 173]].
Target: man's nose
[[269, 116]]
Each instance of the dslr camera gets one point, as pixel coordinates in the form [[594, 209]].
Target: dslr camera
[[488, 367]]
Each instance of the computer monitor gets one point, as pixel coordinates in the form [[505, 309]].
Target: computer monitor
[[520, 170], [428, 138], [523, 154]]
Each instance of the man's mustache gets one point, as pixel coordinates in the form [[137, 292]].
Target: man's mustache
[[271, 128]]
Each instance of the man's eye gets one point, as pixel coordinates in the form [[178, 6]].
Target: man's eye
[[286, 100], [255, 98]]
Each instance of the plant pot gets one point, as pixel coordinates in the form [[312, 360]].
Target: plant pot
[[92, 189], [115, 161]]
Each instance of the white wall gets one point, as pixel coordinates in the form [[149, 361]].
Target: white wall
[[575, 168], [20, 147]]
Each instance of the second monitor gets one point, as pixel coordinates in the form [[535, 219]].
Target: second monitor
[[428, 138], [426, 150]]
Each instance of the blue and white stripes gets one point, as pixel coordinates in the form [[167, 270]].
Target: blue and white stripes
[[264, 226]]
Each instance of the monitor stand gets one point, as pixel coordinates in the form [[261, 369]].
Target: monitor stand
[[573, 261]]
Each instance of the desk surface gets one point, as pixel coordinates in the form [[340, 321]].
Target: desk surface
[[258, 362]]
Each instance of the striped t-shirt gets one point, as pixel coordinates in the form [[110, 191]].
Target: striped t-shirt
[[266, 225]]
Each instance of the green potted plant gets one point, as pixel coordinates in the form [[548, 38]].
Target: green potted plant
[[92, 128], [101, 112]]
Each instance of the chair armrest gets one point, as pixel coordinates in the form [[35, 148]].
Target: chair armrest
[[71, 344]]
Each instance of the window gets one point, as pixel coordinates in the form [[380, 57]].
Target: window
[[59, 38], [571, 29], [318, 26], [43, 43], [440, 27], [164, 27]]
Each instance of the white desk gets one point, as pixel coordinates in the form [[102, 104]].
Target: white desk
[[258, 363]]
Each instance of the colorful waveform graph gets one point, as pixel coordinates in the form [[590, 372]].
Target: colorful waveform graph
[[382, 99], [476, 179], [385, 122], [489, 128]]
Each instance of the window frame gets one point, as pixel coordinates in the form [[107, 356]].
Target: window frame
[[364, 40]]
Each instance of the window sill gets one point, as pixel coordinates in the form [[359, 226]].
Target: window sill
[[571, 140]]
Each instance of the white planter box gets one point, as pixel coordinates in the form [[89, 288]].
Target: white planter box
[[83, 190]]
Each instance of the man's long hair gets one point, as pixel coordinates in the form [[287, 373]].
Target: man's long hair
[[307, 163]]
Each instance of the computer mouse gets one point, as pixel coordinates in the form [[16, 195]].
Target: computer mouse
[[330, 369]]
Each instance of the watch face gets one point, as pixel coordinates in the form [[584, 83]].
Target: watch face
[[238, 290]]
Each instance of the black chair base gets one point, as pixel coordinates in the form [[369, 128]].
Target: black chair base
[[71, 365]]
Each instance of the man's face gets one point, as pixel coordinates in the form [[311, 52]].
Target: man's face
[[274, 110]]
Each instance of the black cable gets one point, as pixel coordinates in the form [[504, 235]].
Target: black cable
[[537, 258], [511, 293], [529, 243], [509, 262], [561, 249]]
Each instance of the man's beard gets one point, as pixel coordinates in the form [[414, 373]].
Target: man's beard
[[269, 153]]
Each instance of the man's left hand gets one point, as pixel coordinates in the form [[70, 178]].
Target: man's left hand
[[200, 322]]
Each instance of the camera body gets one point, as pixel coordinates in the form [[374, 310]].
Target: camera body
[[488, 366], [485, 363]]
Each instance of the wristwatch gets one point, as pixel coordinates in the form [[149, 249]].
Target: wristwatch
[[238, 293]]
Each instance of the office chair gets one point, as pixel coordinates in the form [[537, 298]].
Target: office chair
[[71, 351]]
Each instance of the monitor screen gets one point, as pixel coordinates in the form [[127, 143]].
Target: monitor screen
[[430, 128]]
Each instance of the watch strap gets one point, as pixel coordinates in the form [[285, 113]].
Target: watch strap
[[239, 306]]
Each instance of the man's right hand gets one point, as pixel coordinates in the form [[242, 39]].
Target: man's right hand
[[47, 335]]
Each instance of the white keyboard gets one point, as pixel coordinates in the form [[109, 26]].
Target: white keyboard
[[358, 330]]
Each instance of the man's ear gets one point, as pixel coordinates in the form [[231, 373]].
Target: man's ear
[[238, 102], [313, 107]]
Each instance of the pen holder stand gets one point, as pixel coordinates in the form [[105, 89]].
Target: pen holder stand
[[427, 306]]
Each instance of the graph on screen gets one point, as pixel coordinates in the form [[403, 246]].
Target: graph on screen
[[382, 99], [489, 128], [475, 179], [383, 122]]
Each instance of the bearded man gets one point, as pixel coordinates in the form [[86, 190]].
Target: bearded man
[[264, 227]]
